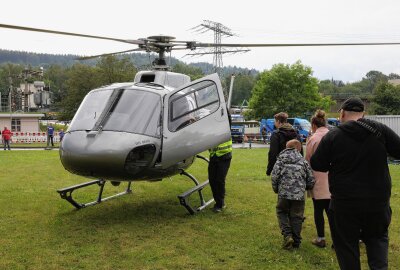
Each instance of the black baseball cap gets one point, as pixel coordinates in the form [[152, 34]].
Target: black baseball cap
[[353, 104]]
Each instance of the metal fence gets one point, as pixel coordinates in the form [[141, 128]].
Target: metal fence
[[392, 121]]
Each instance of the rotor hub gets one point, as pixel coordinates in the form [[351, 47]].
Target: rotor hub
[[161, 38]]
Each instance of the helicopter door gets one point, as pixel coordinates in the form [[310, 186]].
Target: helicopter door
[[195, 119]]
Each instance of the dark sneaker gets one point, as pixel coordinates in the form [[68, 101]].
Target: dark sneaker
[[320, 243], [288, 243]]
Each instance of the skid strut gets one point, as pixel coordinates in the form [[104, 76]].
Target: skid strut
[[66, 193], [184, 197]]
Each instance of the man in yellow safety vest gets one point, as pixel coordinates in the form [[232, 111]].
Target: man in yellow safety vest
[[220, 160]]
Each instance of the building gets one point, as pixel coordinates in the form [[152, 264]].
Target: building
[[394, 82], [20, 122]]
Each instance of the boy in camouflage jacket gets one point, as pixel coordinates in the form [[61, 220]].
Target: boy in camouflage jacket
[[291, 177]]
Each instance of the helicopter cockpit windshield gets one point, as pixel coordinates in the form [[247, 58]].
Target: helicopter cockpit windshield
[[124, 110]]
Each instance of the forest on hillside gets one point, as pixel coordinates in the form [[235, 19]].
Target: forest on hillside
[[69, 80], [141, 61]]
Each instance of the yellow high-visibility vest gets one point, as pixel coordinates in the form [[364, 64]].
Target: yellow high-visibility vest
[[221, 149]]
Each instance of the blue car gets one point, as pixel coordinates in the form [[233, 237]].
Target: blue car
[[303, 126], [333, 122]]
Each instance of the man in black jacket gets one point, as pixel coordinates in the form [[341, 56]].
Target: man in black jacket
[[284, 132], [355, 155]]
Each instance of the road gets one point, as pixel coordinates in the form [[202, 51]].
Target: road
[[253, 145]]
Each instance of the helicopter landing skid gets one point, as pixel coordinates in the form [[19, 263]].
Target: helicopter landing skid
[[184, 197], [66, 193]]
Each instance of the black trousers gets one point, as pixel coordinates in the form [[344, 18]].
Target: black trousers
[[371, 226], [319, 207], [217, 171], [6, 144], [290, 217], [50, 139]]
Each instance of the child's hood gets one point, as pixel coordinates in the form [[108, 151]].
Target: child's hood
[[290, 155]]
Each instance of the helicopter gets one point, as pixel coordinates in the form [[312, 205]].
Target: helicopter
[[152, 128]]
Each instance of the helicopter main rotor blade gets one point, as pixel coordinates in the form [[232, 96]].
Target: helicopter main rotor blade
[[138, 42], [206, 45], [107, 54], [205, 53]]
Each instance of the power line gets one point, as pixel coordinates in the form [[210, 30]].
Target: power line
[[219, 31]]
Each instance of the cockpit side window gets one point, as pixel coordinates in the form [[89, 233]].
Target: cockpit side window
[[192, 104]]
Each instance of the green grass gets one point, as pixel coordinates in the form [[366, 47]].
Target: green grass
[[149, 229], [29, 145]]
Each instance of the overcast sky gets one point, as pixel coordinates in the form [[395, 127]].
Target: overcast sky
[[290, 21]]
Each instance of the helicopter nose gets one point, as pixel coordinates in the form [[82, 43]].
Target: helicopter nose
[[109, 155]]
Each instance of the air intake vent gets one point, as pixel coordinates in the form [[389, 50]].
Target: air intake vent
[[147, 78]]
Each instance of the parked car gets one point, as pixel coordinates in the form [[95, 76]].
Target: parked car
[[303, 126]]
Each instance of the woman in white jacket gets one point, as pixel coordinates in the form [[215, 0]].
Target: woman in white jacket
[[320, 193]]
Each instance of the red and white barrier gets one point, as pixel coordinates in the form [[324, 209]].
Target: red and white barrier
[[32, 137]]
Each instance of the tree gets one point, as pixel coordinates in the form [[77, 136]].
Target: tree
[[288, 88], [55, 76], [193, 72], [112, 69], [10, 70], [386, 99], [393, 76], [328, 87], [375, 77], [81, 79]]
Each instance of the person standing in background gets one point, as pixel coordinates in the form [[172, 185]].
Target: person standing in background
[[50, 134], [284, 132], [6, 135], [264, 134], [61, 134]]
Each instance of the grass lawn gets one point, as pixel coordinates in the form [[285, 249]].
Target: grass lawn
[[29, 145], [149, 229]]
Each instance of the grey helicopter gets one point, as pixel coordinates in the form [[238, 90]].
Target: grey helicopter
[[149, 129]]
